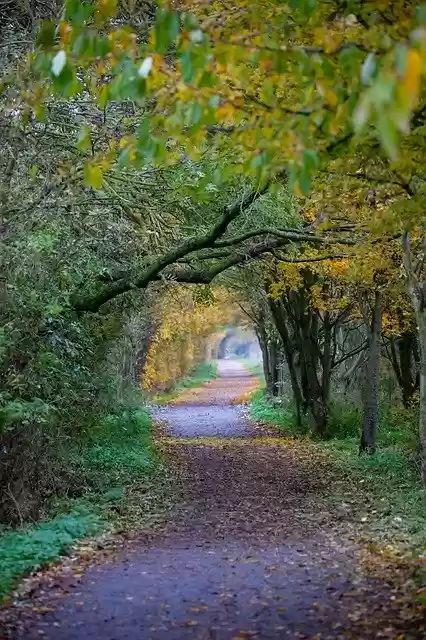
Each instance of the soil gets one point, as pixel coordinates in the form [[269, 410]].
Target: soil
[[253, 551]]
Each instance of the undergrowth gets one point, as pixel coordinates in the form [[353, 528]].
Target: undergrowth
[[203, 373], [30, 549], [255, 368], [111, 457], [389, 481], [118, 450]]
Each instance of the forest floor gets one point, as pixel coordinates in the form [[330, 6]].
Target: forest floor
[[267, 540]]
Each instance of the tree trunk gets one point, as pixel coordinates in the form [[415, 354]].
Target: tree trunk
[[269, 350], [261, 338], [273, 367], [409, 383], [278, 315], [327, 358], [372, 381], [402, 355], [417, 289], [421, 318]]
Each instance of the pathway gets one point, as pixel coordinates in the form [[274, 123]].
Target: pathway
[[255, 550]]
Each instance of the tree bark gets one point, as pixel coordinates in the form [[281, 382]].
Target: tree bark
[[417, 288], [327, 358], [421, 318], [278, 315], [261, 337], [409, 383], [273, 367], [372, 381]]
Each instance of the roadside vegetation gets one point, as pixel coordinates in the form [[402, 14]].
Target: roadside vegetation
[[386, 487], [167, 173], [202, 374]]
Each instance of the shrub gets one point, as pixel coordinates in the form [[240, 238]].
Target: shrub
[[273, 411], [118, 450]]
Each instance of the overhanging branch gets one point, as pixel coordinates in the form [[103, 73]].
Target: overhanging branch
[[185, 248]]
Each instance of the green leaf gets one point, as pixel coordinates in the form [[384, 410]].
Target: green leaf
[[189, 70], [189, 21], [310, 160], [46, 34], [293, 172], [305, 8], [103, 96], [369, 68], [362, 113], [166, 29], [84, 141], [66, 82], [257, 161], [33, 171], [207, 80], [388, 135], [328, 68], [78, 12], [305, 181], [144, 131], [401, 59], [421, 14], [90, 44], [350, 60], [124, 158], [195, 114]]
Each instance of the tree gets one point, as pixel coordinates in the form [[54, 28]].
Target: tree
[[327, 98], [371, 391]]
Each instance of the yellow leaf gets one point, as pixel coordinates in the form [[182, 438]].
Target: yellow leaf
[[65, 30], [93, 176], [412, 74]]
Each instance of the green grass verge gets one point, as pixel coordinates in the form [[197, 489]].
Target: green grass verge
[[203, 373], [117, 451], [256, 369], [30, 549], [389, 480], [111, 456], [278, 414]]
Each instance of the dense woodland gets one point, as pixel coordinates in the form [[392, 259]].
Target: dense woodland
[[170, 170]]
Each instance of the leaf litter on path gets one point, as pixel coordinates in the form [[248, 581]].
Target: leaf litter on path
[[257, 545]]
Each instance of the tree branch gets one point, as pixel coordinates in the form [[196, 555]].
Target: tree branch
[[291, 236], [205, 276], [191, 245]]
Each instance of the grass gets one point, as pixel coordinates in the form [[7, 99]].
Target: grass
[[265, 410], [118, 450], [30, 549], [114, 454], [203, 373], [256, 369], [390, 479]]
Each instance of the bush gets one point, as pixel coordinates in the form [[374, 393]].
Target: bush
[[345, 420], [398, 426], [202, 373], [273, 411], [118, 450]]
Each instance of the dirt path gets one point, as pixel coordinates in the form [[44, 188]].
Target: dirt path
[[255, 550]]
